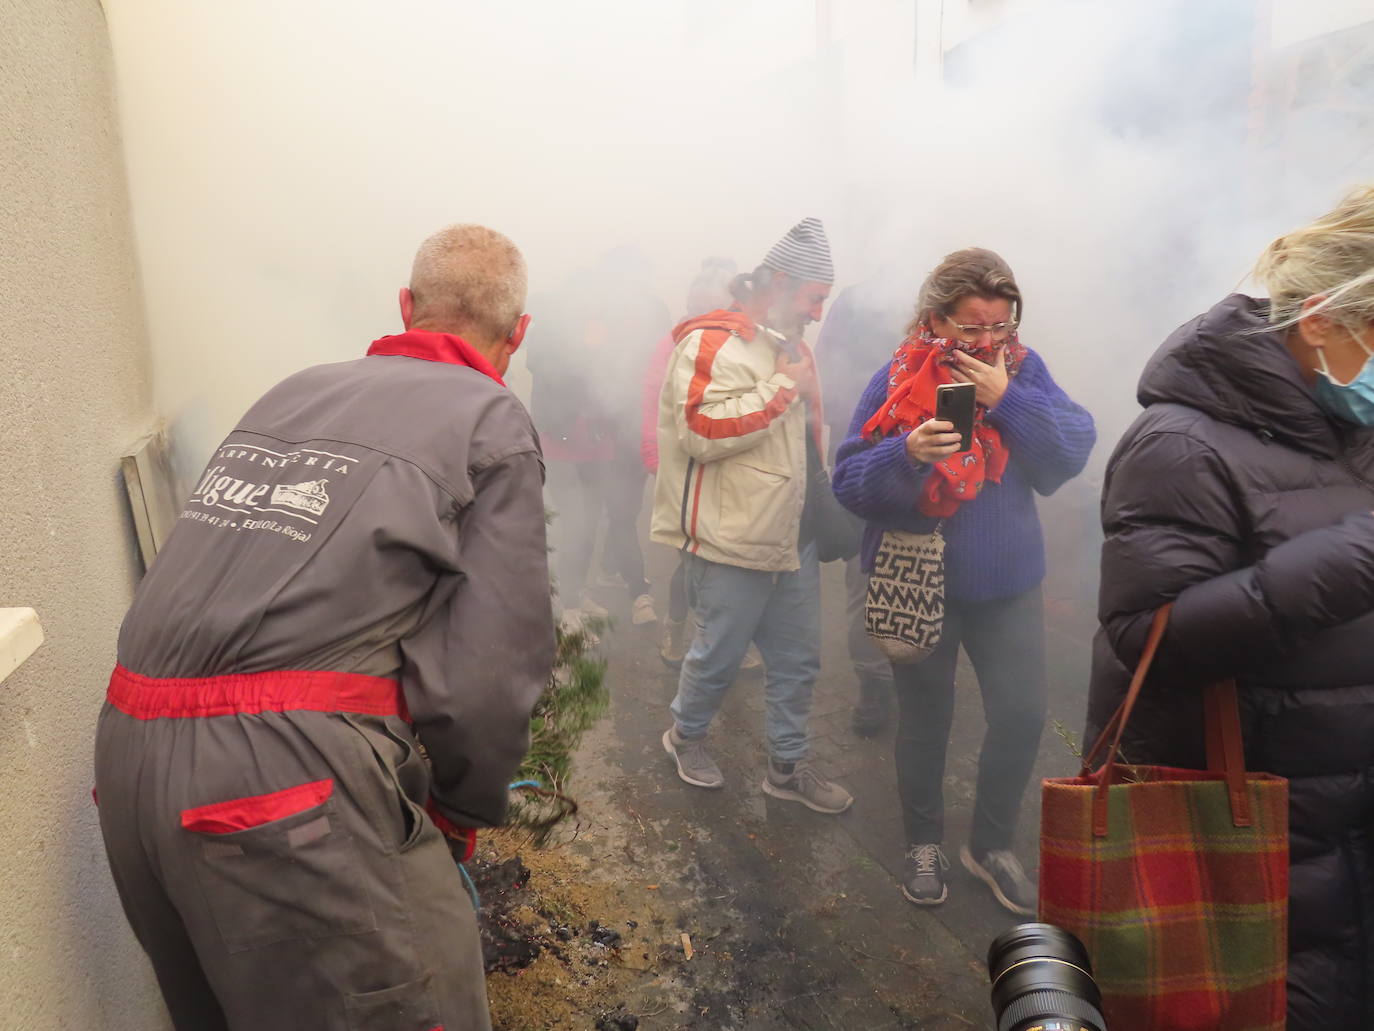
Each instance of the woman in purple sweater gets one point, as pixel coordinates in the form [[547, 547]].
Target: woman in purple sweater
[[896, 471]]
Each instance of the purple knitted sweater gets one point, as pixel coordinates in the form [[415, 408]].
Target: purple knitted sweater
[[993, 545]]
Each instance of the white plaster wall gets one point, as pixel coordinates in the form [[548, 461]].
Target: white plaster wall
[[74, 391], [1292, 21]]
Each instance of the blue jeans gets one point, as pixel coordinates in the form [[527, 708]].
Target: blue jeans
[[781, 613]]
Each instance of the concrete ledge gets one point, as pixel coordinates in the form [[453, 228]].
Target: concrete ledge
[[20, 636]]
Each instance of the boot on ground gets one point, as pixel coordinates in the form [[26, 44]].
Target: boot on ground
[[873, 710]]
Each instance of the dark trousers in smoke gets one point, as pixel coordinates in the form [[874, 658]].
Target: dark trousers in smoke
[[1005, 642], [870, 665], [624, 501], [579, 492]]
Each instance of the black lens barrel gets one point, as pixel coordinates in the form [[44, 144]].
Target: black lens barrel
[[1041, 974], [1036, 1009]]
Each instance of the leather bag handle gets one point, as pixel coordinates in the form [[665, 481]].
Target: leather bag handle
[[1226, 747], [1221, 715], [1116, 726]]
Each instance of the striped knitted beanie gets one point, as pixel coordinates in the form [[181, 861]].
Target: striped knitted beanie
[[804, 253]]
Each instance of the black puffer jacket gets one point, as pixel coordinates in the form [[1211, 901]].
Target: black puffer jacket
[[1237, 496]]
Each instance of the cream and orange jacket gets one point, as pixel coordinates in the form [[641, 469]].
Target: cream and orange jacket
[[732, 430]]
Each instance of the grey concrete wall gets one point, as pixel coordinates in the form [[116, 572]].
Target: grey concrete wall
[[74, 391]]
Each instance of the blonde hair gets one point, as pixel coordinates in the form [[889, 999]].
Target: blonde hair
[[972, 272], [469, 277], [1332, 258]]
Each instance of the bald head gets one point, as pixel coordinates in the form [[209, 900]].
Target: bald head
[[470, 281]]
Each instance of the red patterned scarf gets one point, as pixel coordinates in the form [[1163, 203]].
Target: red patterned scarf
[[920, 364]]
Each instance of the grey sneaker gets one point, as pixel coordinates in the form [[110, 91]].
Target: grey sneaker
[[693, 764], [923, 875], [575, 621], [642, 611], [806, 785], [1001, 871], [591, 607]]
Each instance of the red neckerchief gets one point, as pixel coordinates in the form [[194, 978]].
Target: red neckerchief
[[436, 347], [920, 364]]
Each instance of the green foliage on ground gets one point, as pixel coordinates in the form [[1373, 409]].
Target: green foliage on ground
[[575, 698]]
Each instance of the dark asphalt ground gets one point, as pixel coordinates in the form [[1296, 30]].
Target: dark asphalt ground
[[798, 916]]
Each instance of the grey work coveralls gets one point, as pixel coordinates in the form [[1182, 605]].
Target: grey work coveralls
[[377, 525]]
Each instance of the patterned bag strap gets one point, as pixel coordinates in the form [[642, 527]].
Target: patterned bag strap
[[1225, 745]]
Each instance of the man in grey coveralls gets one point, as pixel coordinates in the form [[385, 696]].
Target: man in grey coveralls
[[359, 571]]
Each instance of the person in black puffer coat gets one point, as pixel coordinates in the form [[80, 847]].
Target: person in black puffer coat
[[1243, 493]]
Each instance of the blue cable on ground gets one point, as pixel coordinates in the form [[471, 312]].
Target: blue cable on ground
[[467, 878], [472, 888]]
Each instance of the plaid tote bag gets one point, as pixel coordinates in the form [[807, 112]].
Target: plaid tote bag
[[1175, 880], [904, 611]]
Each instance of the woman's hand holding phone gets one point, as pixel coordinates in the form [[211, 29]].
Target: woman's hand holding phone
[[931, 441]]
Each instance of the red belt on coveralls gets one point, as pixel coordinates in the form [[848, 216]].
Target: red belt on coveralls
[[151, 698], [237, 694]]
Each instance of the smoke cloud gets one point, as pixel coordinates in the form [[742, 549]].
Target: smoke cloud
[[1129, 159]]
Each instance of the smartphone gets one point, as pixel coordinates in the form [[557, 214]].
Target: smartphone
[[954, 403]]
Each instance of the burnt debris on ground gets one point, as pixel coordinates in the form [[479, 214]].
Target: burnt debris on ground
[[518, 922]]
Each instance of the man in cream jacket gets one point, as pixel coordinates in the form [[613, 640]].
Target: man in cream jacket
[[738, 437]]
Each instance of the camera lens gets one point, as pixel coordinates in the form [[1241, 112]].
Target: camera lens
[[1042, 979]]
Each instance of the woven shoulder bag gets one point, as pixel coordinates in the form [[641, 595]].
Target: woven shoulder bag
[[904, 612]]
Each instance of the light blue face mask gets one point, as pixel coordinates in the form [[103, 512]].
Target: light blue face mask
[[1353, 401]]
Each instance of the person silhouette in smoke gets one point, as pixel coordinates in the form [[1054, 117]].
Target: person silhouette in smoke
[[606, 318], [898, 469], [738, 435], [857, 334], [361, 571]]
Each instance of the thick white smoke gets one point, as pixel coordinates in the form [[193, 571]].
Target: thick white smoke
[[285, 159]]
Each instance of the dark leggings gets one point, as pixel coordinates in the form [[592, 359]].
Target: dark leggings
[[1005, 642], [579, 492], [621, 552]]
